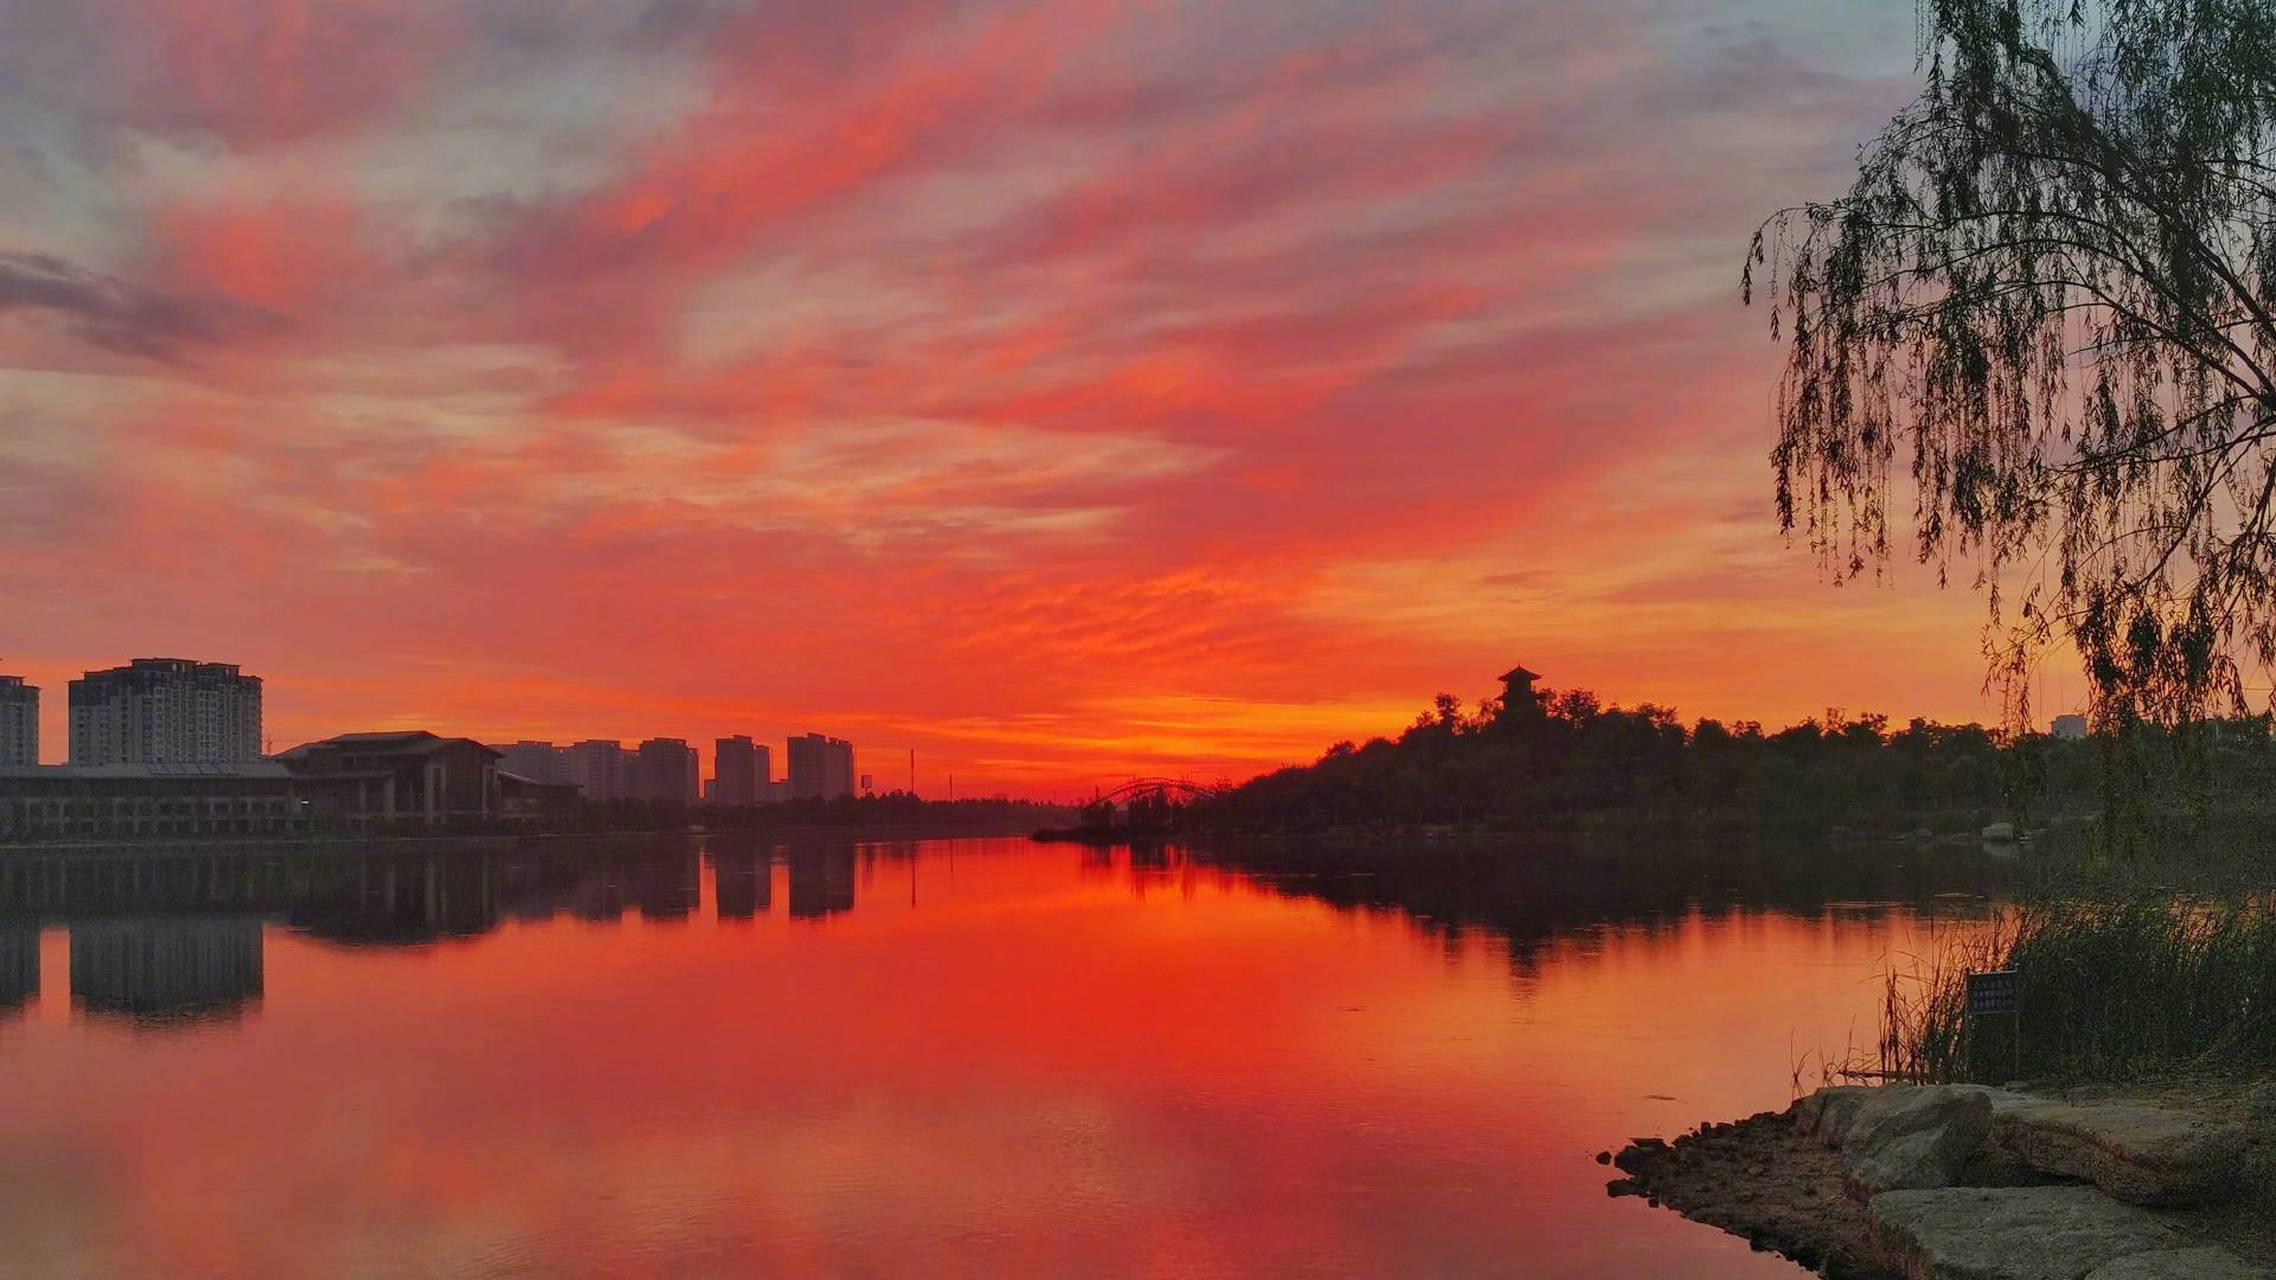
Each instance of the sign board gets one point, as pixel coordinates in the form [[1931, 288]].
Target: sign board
[[1993, 992]]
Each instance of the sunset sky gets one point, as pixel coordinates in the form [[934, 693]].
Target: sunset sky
[[1066, 390]]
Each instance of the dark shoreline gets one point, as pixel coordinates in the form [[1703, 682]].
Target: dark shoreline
[[1947, 1181], [1762, 1181]]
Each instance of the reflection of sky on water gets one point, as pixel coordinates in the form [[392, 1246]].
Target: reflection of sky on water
[[981, 1058]]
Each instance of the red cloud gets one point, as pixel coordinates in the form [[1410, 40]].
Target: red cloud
[[263, 71], [1063, 389]]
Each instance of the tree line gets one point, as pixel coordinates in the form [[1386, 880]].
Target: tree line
[[1565, 759]]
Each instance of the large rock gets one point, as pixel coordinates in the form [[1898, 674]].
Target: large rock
[[1939, 1157], [1826, 1114], [2012, 1233], [2139, 1153], [1914, 1137], [2180, 1264], [1892, 1112]]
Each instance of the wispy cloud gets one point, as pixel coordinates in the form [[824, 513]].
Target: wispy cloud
[[1040, 384], [122, 317]]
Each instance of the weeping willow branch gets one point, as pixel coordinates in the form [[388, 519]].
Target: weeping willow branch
[[2049, 289]]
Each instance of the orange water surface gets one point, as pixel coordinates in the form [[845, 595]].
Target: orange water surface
[[975, 1058]]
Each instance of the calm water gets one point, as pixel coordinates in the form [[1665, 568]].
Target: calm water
[[951, 1058]]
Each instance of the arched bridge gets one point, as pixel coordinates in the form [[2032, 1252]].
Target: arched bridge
[[1181, 788]]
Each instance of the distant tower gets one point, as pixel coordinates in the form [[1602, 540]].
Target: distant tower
[[1518, 696]]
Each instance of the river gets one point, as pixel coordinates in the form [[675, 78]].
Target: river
[[975, 1058]]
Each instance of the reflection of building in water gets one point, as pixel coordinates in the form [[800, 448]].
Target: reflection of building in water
[[376, 896], [598, 895], [389, 901], [821, 884], [19, 967], [156, 967], [666, 888], [742, 882]]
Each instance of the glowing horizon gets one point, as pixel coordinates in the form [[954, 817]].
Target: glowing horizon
[[1064, 391]]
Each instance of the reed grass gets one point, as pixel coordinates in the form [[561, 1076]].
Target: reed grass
[[2112, 989]]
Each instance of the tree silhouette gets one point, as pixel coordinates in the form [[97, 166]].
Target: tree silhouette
[[2050, 289]]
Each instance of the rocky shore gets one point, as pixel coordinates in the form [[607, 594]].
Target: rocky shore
[[1962, 1182]]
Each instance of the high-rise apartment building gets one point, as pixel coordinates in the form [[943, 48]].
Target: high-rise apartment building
[[537, 761], [821, 767], [667, 769], [19, 721], [740, 771], [166, 711], [601, 769]]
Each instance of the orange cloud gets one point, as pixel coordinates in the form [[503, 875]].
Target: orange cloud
[[1065, 391]]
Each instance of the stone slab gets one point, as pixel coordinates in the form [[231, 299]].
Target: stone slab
[[2139, 1153], [2181, 1264], [2013, 1233]]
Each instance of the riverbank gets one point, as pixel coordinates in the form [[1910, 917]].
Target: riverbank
[[1958, 1182]]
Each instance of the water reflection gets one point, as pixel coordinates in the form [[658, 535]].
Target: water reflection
[[19, 967], [821, 883], [177, 933], [779, 1057], [168, 969], [744, 880], [1533, 895]]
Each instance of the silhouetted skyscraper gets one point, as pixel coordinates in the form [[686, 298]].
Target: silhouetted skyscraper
[[166, 711], [19, 721], [821, 767], [667, 769], [741, 769], [537, 761], [601, 769]]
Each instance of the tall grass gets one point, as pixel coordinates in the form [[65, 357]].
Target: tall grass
[[1923, 1027], [2112, 988]]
